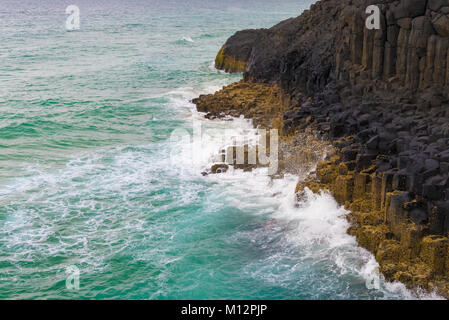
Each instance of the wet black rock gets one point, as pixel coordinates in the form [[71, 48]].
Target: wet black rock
[[380, 96]]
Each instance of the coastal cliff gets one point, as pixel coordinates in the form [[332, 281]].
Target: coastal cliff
[[380, 98]]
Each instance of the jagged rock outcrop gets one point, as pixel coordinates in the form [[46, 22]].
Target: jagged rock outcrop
[[330, 42], [381, 97], [235, 53], [265, 105]]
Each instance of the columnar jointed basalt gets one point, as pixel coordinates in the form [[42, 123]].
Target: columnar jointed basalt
[[391, 171], [381, 97], [330, 42], [265, 105], [234, 58]]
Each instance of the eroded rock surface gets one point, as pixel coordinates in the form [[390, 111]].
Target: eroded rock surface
[[381, 98]]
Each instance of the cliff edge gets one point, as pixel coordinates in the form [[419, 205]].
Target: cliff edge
[[381, 98]]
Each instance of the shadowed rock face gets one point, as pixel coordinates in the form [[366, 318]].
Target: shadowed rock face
[[330, 42], [235, 53], [381, 98]]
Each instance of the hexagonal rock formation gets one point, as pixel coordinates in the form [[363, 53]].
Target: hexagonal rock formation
[[381, 98]]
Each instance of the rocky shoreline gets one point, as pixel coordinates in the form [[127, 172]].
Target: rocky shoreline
[[380, 98]]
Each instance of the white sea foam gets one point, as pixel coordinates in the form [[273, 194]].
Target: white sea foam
[[66, 213], [214, 69], [316, 224], [187, 39]]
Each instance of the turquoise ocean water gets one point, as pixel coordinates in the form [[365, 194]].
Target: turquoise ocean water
[[89, 177]]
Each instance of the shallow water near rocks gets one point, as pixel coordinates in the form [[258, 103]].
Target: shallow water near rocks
[[87, 176]]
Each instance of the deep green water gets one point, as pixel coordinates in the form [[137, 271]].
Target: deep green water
[[90, 178]]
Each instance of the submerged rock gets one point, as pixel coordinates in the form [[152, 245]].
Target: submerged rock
[[219, 168]]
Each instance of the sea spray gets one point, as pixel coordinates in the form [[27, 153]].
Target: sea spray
[[86, 179], [315, 225]]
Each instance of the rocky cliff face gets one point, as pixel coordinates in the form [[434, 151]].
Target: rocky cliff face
[[381, 97], [330, 42]]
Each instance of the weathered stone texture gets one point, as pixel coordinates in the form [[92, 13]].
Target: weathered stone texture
[[381, 97]]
